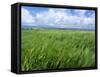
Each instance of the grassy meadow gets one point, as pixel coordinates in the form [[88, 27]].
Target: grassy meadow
[[57, 49]]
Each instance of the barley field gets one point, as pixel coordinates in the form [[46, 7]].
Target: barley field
[[57, 49]]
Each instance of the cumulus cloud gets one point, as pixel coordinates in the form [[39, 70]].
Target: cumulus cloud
[[51, 17], [27, 18], [60, 18]]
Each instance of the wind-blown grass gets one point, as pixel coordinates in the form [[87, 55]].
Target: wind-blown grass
[[57, 49]]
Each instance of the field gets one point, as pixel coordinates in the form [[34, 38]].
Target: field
[[57, 49]]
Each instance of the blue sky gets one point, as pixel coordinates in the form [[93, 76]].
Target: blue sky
[[58, 18]]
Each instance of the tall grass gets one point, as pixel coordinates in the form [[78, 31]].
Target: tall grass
[[57, 49]]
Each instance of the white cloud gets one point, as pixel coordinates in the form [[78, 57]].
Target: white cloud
[[58, 18], [52, 17], [27, 18]]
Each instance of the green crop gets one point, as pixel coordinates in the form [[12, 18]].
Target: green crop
[[57, 49]]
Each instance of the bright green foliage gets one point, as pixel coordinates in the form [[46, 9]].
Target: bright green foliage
[[57, 49]]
